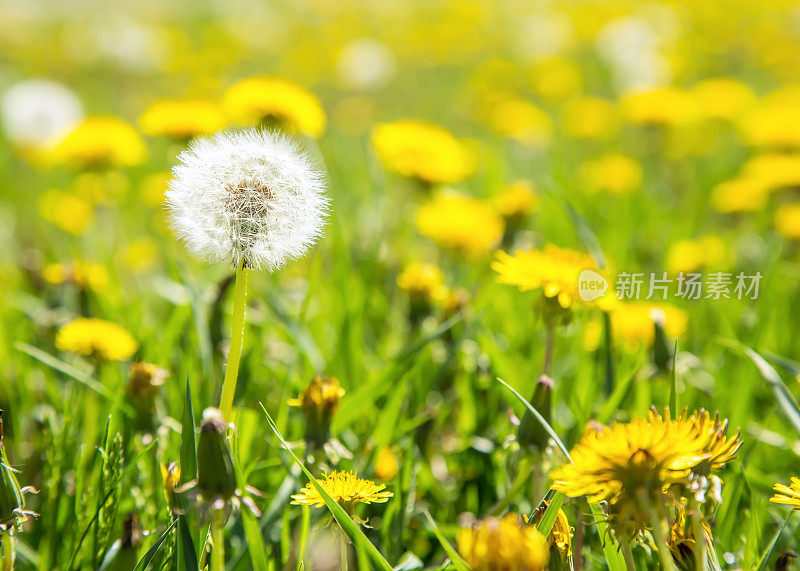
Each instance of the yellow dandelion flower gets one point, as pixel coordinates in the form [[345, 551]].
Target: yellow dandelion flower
[[517, 200], [624, 464], [520, 120], [506, 544], [101, 142], [423, 151], [423, 282], [460, 223], [182, 119], [552, 269], [787, 221], [556, 78], [319, 402], [787, 495], [589, 118], [723, 98], [83, 274], [694, 255], [69, 212], [346, 488], [260, 100], [662, 106], [386, 465], [614, 173], [776, 171], [96, 337], [633, 322], [742, 194], [682, 542], [774, 124]]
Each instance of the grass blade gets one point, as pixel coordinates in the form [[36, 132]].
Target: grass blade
[[255, 541], [673, 395], [147, 558], [62, 367], [341, 517], [551, 513], [762, 563], [455, 558], [186, 558], [188, 438]]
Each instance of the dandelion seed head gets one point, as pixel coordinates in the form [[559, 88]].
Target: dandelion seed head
[[249, 198]]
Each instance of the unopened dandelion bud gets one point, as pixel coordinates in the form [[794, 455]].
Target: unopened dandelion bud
[[662, 355], [144, 383], [319, 402], [216, 476], [531, 433]]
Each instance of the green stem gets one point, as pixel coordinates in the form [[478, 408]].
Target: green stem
[[344, 557], [237, 339], [700, 562], [218, 549], [7, 550], [658, 521], [627, 554]]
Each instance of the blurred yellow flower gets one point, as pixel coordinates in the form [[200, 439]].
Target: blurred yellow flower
[[260, 100], [787, 495], [506, 544], [67, 211], [422, 282], [386, 465], [776, 171], [421, 150], [100, 142], [694, 255], [589, 118], [520, 120], [663, 106], [517, 200], [346, 488], [182, 119], [552, 269], [773, 124], [742, 194], [561, 532], [723, 98], [634, 322], [787, 221], [96, 337], [614, 173], [140, 255], [460, 223], [556, 78], [83, 274]]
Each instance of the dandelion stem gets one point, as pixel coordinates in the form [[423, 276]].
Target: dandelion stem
[[699, 536], [627, 554], [218, 551], [658, 521], [237, 339], [7, 550], [548, 350]]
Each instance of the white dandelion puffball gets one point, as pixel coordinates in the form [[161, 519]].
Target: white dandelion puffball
[[249, 198], [34, 112]]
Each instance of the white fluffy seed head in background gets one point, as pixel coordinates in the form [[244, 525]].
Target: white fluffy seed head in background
[[248, 198]]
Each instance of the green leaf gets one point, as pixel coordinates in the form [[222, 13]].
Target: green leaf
[[616, 398], [762, 563], [255, 541], [186, 559], [188, 438], [147, 558], [673, 395], [62, 367], [551, 513], [341, 517], [782, 394], [455, 558]]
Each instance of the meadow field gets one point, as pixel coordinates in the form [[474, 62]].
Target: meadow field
[[339, 284]]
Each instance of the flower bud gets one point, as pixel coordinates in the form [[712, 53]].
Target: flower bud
[[144, 383], [319, 402], [216, 477], [531, 433]]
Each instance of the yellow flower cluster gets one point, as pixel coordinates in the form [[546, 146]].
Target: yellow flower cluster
[[96, 337], [83, 274], [182, 119], [422, 282], [100, 142], [613, 173], [506, 544], [517, 200]]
